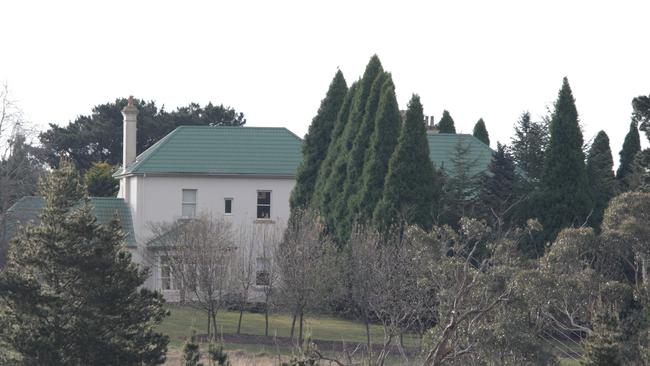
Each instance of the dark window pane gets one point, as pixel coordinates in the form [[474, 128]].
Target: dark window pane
[[263, 212], [228, 206], [263, 198], [262, 278]]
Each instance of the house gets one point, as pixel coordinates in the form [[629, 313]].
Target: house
[[243, 174]]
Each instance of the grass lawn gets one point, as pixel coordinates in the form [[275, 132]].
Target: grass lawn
[[183, 320]]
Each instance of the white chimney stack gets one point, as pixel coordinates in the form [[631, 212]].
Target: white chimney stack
[[130, 113]]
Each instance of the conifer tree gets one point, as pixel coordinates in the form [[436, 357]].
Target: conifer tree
[[72, 292], [461, 186], [410, 186], [631, 146], [481, 133], [601, 177], [446, 124], [336, 179], [382, 145], [498, 192], [317, 141], [528, 146], [603, 346], [564, 198]]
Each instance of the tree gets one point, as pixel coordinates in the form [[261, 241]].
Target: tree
[[382, 145], [601, 177], [564, 198], [198, 254], [98, 137], [602, 347], [631, 146], [641, 113], [446, 124], [460, 188], [481, 133], [410, 184], [317, 141], [71, 290], [100, 182], [528, 146]]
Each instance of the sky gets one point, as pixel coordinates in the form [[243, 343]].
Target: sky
[[273, 60]]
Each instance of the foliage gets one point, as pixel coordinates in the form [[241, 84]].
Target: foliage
[[603, 348], [631, 146], [461, 187], [217, 354], [98, 137], [410, 187], [100, 182], [317, 141], [191, 354], [528, 146], [564, 198], [481, 133], [446, 124], [71, 290], [601, 177]]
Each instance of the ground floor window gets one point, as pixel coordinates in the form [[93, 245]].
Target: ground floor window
[[166, 274], [262, 275]]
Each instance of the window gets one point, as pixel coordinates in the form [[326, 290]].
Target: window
[[189, 203], [227, 206], [262, 273], [263, 204], [166, 277]]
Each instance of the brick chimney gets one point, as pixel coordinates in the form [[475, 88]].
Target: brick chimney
[[130, 113]]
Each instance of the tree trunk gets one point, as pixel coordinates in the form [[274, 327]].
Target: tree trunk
[[293, 324], [266, 320], [301, 322], [209, 323], [369, 345], [241, 315], [214, 325]]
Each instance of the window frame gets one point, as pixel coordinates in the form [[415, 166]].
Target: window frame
[[258, 204], [225, 205], [169, 278], [184, 203]]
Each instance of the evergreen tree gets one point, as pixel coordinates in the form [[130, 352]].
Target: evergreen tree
[[446, 124], [529, 145], [410, 186], [317, 141], [601, 177], [498, 192], [191, 354], [631, 146], [382, 145], [72, 292], [100, 182], [336, 180], [564, 198], [461, 187], [480, 132], [603, 346], [344, 215]]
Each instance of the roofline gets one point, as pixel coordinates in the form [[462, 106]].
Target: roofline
[[201, 174]]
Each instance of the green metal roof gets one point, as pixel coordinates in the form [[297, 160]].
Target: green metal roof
[[444, 146], [29, 208], [222, 150]]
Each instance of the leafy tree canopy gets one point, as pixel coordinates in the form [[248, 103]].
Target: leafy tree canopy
[[481, 133], [446, 124], [100, 182]]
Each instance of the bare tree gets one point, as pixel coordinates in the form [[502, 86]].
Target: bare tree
[[244, 270], [198, 254], [306, 261]]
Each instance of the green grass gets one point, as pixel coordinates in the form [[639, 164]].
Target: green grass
[[183, 320]]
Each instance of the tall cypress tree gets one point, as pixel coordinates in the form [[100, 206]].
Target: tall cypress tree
[[600, 171], [343, 215], [528, 146], [631, 146], [601, 177], [317, 141], [336, 179], [410, 187], [382, 145], [446, 124], [481, 133], [498, 189], [564, 200], [71, 291]]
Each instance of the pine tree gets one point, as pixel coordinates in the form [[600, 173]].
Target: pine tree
[[410, 186], [446, 124], [481, 133], [71, 290], [317, 141], [337, 177], [528, 146], [100, 182], [601, 177], [498, 193], [631, 146], [461, 186], [382, 145], [564, 198], [603, 346]]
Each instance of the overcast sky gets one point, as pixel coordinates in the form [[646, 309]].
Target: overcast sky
[[273, 60]]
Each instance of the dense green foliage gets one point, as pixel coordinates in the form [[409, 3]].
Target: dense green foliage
[[460, 188], [603, 347], [528, 146], [317, 141], [631, 146], [564, 199], [498, 189], [100, 182], [481, 133], [446, 124], [410, 187], [71, 292], [98, 137], [600, 173]]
